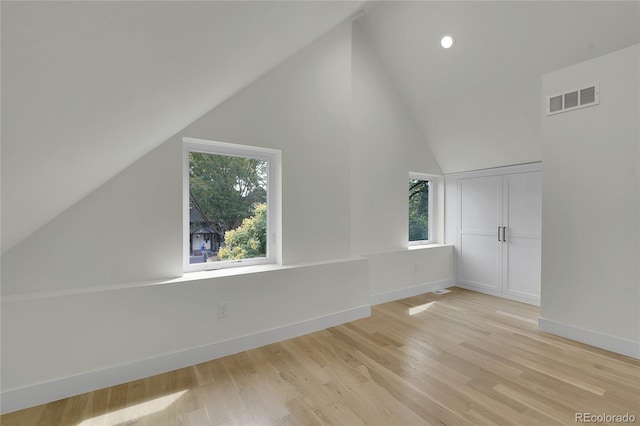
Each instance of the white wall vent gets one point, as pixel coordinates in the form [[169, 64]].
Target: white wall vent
[[574, 99]]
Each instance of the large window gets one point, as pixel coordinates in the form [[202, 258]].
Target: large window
[[229, 205], [420, 210]]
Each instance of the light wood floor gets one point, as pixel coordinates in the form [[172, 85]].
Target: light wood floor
[[462, 358]]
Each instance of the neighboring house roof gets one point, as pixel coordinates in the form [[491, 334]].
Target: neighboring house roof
[[203, 230], [195, 216]]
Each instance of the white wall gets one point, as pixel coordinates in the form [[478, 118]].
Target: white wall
[[111, 312], [591, 212], [166, 317], [58, 345], [130, 229], [477, 103], [302, 109], [84, 308], [91, 87], [386, 147], [398, 274]]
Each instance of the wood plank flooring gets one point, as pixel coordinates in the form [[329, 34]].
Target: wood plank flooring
[[461, 358]]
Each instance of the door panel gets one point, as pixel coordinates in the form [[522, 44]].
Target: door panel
[[523, 202], [522, 275], [480, 204], [523, 219], [479, 261]]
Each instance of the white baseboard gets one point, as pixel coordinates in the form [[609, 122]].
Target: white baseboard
[[41, 393], [527, 300], [401, 293], [593, 338]]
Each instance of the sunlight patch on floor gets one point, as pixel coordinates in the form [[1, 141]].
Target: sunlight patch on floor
[[519, 317], [135, 412], [420, 308]]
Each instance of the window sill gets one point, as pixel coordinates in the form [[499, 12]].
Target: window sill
[[227, 272], [252, 269], [408, 248], [426, 246]]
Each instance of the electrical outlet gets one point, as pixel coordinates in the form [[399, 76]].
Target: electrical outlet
[[223, 309]]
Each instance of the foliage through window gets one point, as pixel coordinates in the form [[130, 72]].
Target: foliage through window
[[419, 206], [228, 207]]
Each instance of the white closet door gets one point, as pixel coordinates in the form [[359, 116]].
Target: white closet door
[[522, 219], [480, 204]]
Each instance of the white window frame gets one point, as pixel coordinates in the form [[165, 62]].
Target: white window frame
[[431, 219], [274, 158]]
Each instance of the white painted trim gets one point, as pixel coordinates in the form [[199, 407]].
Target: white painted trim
[[523, 299], [274, 191], [433, 182], [401, 293], [41, 393], [506, 170], [593, 338]]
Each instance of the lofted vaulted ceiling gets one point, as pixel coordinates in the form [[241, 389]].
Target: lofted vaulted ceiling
[[479, 103], [90, 87]]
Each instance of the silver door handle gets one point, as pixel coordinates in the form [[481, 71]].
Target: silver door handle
[[503, 237]]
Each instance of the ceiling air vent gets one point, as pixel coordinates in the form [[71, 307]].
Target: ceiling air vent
[[574, 99]]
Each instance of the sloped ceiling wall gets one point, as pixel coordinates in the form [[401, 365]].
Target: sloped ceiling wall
[[90, 87], [479, 104]]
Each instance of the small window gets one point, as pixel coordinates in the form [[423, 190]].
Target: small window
[[420, 209], [229, 202]]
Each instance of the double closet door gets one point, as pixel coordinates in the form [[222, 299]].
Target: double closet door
[[499, 230]]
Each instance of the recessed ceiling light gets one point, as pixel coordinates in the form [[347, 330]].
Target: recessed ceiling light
[[447, 41]]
